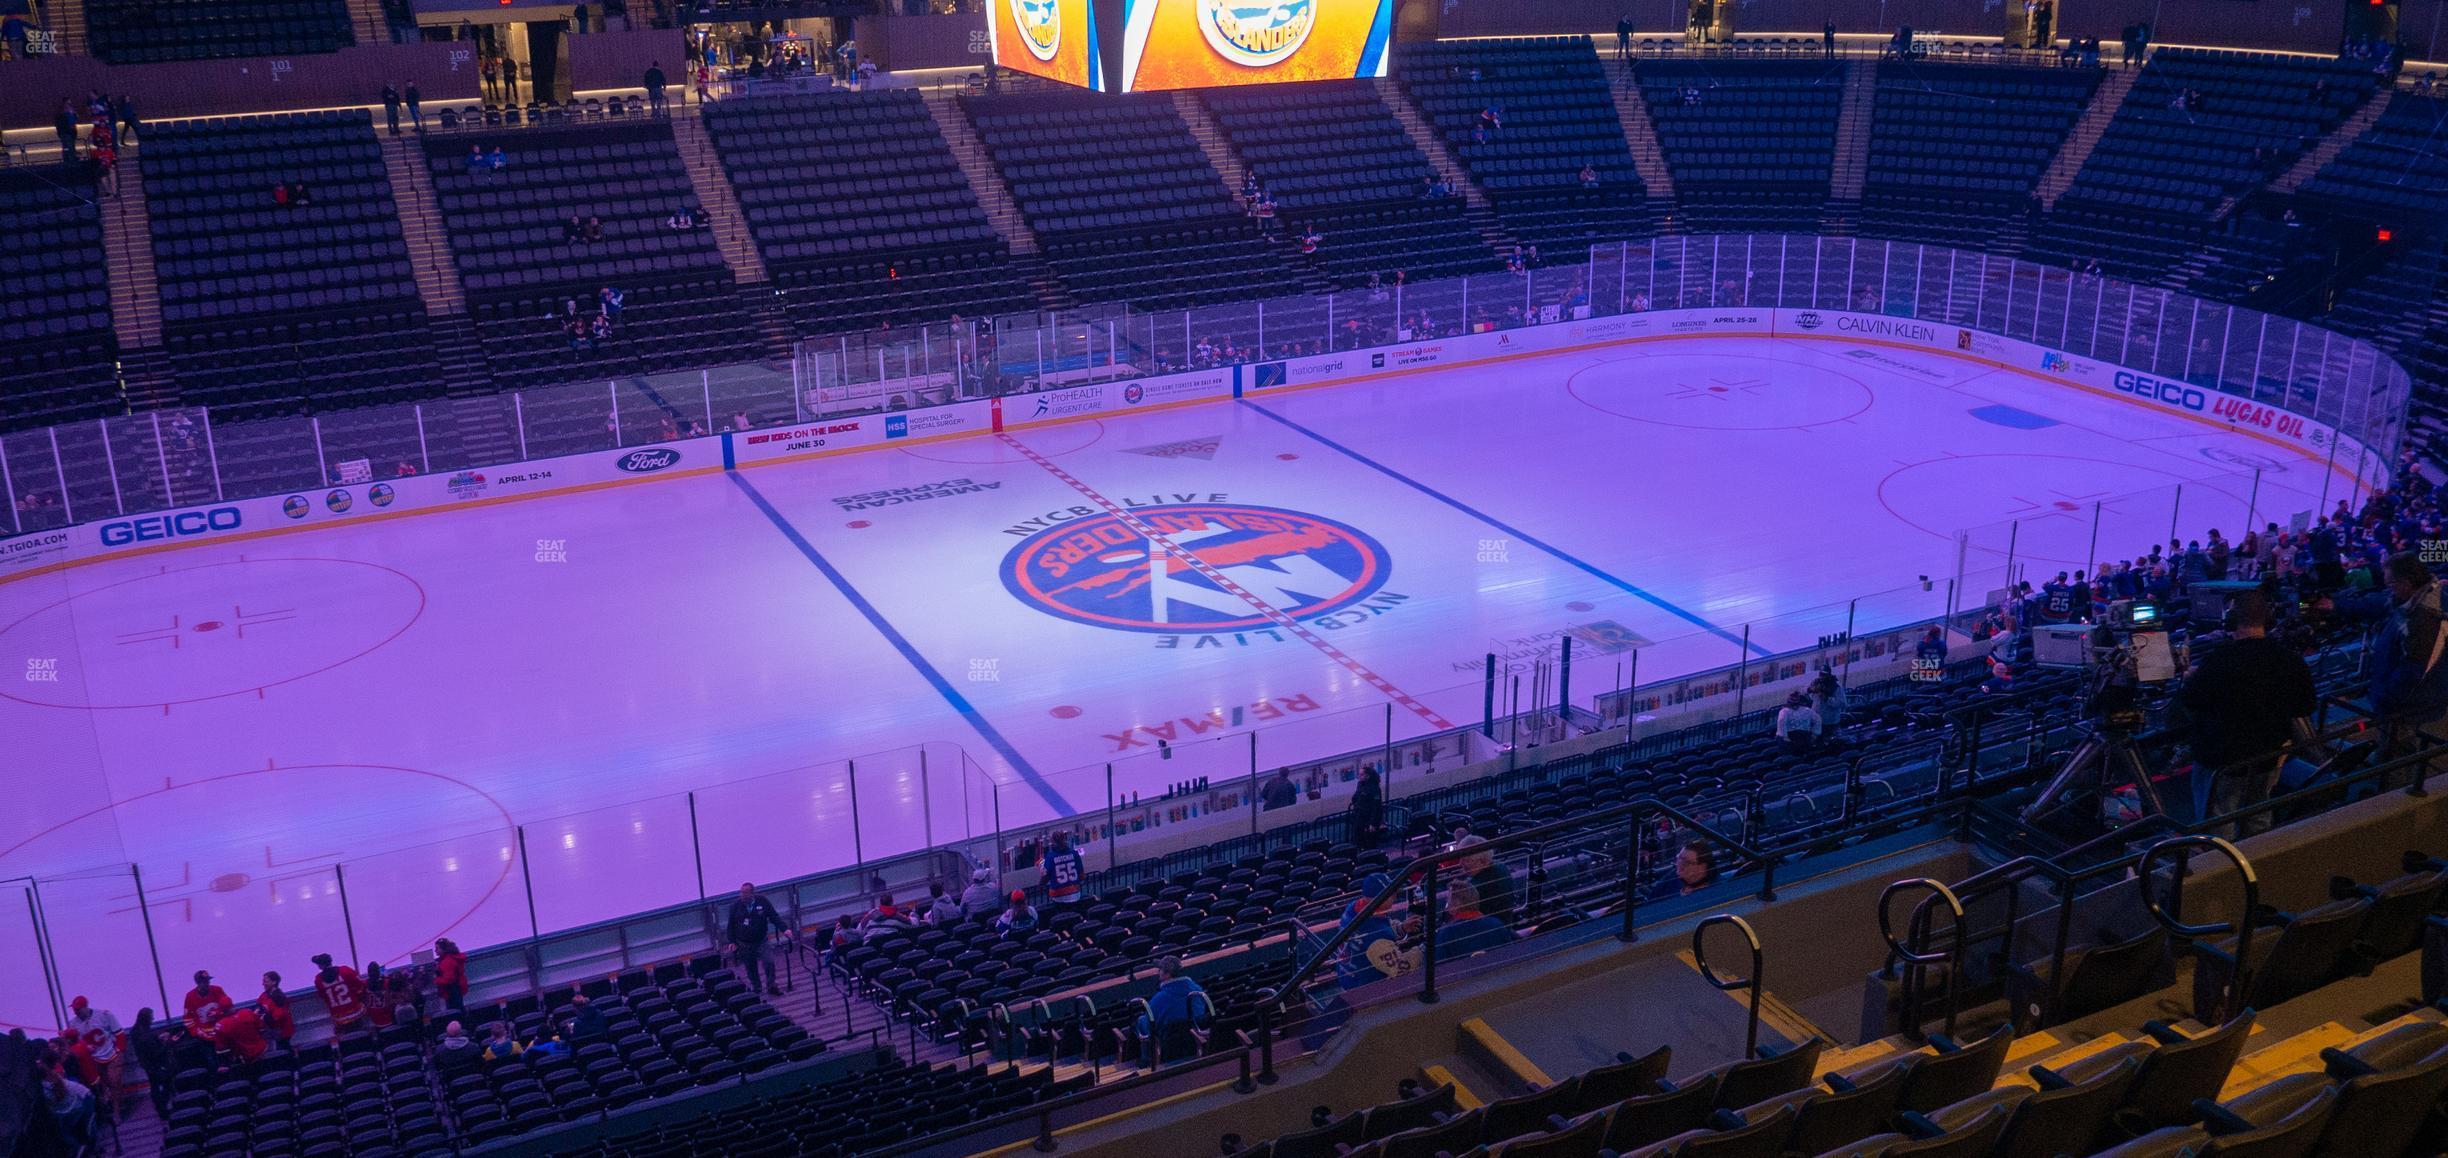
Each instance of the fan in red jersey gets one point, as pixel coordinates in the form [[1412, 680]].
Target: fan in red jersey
[[343, 991]]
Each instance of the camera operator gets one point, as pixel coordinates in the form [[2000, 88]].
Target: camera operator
[[2242, 701], [2409, 681]]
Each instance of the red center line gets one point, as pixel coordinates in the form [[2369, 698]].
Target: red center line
[[1297, 628]]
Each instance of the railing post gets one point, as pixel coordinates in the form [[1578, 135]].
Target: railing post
[[1266, 1040], [1634, 847], [1428, 953], [323, 475], [858, 842], [348, 923], [152, 946], [527, 879], [696, 847], [424, 456]]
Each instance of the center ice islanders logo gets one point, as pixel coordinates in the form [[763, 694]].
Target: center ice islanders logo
[[1105, 572], [1040, 24], [1256, 34]]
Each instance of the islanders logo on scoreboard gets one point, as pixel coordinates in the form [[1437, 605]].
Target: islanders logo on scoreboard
[[1040, 24], [1256, 34], [1105, 570]]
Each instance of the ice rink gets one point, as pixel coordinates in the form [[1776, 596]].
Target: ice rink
[[403, 698]]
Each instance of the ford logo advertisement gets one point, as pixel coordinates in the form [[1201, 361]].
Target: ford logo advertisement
[[178, 526], [647, 461]]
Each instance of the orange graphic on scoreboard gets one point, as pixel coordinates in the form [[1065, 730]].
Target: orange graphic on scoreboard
[[1049, 38], [1205, 43]]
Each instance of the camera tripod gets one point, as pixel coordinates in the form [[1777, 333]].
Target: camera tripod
[[2105, 754]]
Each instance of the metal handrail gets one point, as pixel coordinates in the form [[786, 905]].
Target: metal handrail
[[1728, 985], [2239, 976], [1920, 958]]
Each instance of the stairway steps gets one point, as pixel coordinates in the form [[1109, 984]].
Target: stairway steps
[[1852, 161], [2016, 1073], [1640, 133], [714, 192], [127, 248], [1476, 208], [2085, 135], [420, 218], [993, 195]]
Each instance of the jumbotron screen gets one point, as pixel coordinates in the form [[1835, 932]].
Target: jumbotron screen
[[1055, 39], [1170, 44]]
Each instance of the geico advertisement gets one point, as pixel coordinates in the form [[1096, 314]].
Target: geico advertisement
[[1055, 39], [1170, 44]]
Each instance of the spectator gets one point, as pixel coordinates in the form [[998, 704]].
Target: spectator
[[886, 916], [2001, 679], [205, 993], [1695, 868], [1827, 38], [594, 226], [499, 161], [1466, 929], [573, 230], [1828, 699], [456, 1049], [391, 106], [942, 908], [152, 1052], [1018, 917], [240, 1034], [299, 196], [1278, 792], [476, 163], [585, 1021], [278, 1020], [70, 1104], [580, 16], [1933, 647], [610, 301], [750, 921], [1309, 240], [65, 126], [1492, 881], [1589, 176], [510, 71], [98, 1032], [280, 194], [343, 992], [491, 69], [741, 422], [416, 105], [2409, 681], [1065, 871], [2240, 704], [499, 1045], [979, 898], [1796, 724], [1171, 1024], [450, 967], [1623, 38], [1367, 810], [599, 328], [654, 88]]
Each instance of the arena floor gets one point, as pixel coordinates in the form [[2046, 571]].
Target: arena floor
[[401, 698]]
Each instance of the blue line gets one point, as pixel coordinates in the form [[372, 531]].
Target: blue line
[[1508, 529], [876, 619]]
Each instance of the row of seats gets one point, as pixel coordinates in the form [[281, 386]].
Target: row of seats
[[56, 344], [1956, 150], [152, 31]]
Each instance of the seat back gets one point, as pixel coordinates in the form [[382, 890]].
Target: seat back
[[1639, 1077], [1454, 1136], [1425, 1110], [1953, 1075], [1759, 1079], [2393, 926], [2176, 1073], [1761, 1139], [2051, 1121], [1579, 1140], [2381, 1113], [1645, 1121], [1969, 1140], [2309, 952], [2105, 976], [1528, 1113], [1348, 1130], [1848, 1115], [2292, 1136]]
